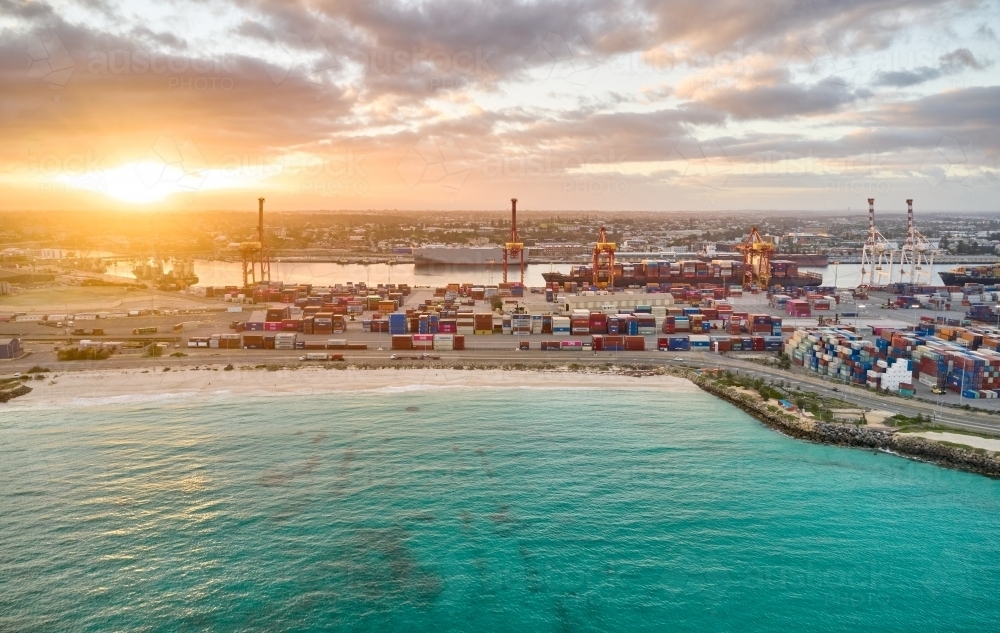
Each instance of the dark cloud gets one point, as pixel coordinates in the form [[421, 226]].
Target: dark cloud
[[951, 63], [784, 100], [159, 37], [26, 9], [906, 78], [961, 59]]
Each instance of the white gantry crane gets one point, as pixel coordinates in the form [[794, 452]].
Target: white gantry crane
[[916, 257], [876, 255]]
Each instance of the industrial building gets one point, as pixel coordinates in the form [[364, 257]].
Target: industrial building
[[10, 348]]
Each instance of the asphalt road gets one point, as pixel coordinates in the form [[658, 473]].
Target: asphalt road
[[970, 420]]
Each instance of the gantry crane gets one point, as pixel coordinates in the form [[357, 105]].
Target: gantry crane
[[876, 255], [256, 255], [604, 261], [513, 247], [756, 259], [916, 257]]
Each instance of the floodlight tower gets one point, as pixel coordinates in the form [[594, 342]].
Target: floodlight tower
[[876, 255]]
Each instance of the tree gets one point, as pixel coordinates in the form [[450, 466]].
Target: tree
[[496, 302]]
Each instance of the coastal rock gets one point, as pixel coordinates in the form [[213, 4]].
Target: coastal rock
[[981, 462]]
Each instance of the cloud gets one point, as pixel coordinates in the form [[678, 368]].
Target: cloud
[[431, 91], [951, 63], [783, 100]]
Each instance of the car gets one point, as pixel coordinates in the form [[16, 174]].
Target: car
[[393, 357], [678, 358], [937, 390], [834, 389]]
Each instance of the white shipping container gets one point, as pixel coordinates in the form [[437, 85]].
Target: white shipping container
[[234, 309]]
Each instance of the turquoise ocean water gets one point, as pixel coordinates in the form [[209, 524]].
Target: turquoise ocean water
[[453, 509]]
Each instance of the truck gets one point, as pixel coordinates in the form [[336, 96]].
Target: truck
[[144, 330], [321, 356], [85, 332]]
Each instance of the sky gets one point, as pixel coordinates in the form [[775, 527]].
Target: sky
[[610, 105]]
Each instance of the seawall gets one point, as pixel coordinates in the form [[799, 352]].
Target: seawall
[[983, 463]]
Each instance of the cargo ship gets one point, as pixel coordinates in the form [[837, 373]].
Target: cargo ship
[[722, 272], [457, 255], [180, 277], [988, 275], [812, 260]]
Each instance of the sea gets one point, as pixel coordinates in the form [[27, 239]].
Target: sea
[[453, 509]]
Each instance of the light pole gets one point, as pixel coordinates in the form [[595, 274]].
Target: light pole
[[836, 266], [858, 312]]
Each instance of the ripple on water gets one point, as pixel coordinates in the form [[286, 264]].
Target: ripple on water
[[540, 509]]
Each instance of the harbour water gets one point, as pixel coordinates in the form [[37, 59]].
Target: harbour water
[[221, 273], [459, 509]]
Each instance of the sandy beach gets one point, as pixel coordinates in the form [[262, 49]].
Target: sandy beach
[[125, 386]]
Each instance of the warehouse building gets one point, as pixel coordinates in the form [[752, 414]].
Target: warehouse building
[[10, 348]]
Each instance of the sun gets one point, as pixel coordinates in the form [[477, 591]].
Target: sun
[[137, 183]]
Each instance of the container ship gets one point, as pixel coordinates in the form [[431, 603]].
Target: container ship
[[722, 272], [988, 275], [812, 260]]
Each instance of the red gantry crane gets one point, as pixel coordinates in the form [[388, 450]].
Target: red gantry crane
[[256, 255], [756, 259], [514, 247], [604, 261]]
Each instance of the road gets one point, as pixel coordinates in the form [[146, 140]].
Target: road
[[968, 420]]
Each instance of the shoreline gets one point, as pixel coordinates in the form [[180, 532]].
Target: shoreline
[[88, 388], [125, 386], [910, 446]]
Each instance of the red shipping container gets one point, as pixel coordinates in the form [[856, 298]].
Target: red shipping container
[[459, 342], [635, 343]]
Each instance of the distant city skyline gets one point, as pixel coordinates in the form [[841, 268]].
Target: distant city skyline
[[590, 105]]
